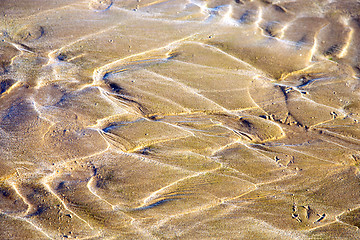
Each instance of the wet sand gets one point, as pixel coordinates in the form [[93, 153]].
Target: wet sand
[[186, 119]]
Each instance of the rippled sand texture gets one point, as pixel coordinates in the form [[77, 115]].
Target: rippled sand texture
[[186, 119]]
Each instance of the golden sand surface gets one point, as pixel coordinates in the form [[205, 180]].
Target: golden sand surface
[[179, 119]]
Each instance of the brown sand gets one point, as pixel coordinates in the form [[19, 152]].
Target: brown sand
[[186, 119]]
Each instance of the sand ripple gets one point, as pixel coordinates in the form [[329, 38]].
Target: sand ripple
[[186, 119]]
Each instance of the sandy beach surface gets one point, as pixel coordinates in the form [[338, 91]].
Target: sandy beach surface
[[179, 119]]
